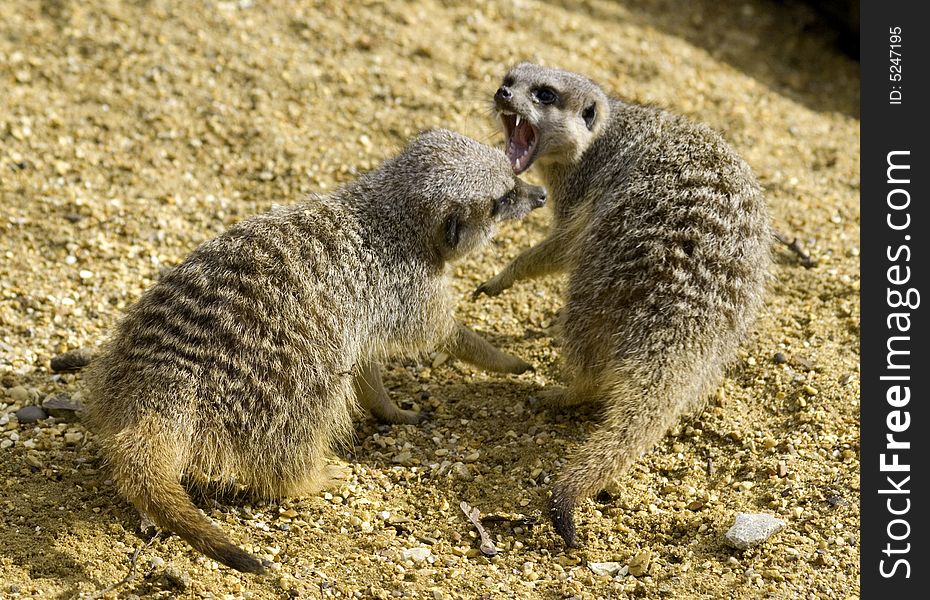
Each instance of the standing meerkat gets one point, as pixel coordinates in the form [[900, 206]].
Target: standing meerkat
[[244, 364], [665, 235]]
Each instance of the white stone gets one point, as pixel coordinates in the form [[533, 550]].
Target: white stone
[[608, 568], [751, 529], [416, 555]]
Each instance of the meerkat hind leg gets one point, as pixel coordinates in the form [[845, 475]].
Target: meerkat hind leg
[[472, 348], [327, 477], [582, 390], [374, 398]]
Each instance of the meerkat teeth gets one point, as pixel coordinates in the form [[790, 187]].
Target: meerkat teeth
[[518, 121]]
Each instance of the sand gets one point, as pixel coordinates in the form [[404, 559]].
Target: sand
[[132, 131]]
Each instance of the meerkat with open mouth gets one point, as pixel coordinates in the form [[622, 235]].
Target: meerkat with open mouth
[[665, 235]]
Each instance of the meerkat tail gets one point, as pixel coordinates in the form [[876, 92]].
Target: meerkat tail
[[640, 407], [143, 458]]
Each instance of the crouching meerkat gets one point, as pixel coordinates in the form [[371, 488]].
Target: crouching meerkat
[[665, 236], [244, 363]]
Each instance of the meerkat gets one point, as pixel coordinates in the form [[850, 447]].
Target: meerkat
[[664, 232], [245, 363]]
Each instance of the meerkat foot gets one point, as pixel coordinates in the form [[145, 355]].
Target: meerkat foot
[[398, 416], [327, 477], [372, 395], [472, 348], [557, 398], [146, 525]]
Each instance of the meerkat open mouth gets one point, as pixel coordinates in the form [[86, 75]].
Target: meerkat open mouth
[[521, 141]]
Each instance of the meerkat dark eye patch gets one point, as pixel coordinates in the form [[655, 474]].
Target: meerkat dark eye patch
[[502, 203], [589, 115], [452, 231], [546, 95]]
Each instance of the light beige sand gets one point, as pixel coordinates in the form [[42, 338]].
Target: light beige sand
[[132, 131]]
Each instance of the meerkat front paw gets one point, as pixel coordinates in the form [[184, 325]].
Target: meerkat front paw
[[519, 366], [492, 287]]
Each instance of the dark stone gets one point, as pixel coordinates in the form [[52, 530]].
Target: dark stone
[[61, 406], [177, 578], [30, 414]]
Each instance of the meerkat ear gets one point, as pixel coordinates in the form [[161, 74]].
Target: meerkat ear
[[589, 115], [452, 231]]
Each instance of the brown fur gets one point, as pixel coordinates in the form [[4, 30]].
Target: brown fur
[[244, 364], [665, 236]]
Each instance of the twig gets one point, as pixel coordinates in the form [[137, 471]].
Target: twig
[[795, 246], [129, 574], [487, 547], [524, 520]]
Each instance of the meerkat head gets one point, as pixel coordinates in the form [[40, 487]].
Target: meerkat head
[[548, 114], [462, 189]]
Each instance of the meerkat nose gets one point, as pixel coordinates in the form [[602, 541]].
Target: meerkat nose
[[538, 194], [503, 93]]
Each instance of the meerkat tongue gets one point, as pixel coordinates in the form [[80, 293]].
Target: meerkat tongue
[[521, 144]]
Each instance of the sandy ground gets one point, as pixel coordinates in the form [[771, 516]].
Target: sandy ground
[[134, 130]]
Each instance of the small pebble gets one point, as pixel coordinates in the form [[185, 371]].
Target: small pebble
[[751, 529], [416, 555], [177, 578], [30, 414], [639, 566], [18, 394], [609, 569], [73, 437]]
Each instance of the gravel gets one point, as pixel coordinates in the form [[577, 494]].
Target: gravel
[[130, 132]]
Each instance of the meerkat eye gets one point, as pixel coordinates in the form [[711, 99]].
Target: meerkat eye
[[589, 115], [546, 95], [501, 203]]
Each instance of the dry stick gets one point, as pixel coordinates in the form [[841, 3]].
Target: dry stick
[[487, 547], [129, 575], [795, 246], [511, 518]]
